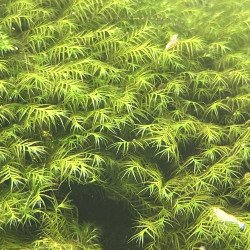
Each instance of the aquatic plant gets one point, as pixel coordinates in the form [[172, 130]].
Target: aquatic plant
[[102, 95]]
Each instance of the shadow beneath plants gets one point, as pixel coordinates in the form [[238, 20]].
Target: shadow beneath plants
[[113, 217]]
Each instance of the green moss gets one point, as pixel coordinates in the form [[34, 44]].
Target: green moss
[[110, 140]]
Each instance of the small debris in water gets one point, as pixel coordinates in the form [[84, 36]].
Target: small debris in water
[[172, 42], [225, 217]]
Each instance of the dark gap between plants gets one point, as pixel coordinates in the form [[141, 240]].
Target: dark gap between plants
[[113, 217]]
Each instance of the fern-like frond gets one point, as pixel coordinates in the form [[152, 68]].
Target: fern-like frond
[[12, 174]]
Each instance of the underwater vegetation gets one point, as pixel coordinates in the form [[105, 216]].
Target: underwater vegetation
[[124, 124]]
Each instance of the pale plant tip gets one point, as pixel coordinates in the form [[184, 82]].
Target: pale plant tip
[[202, 248]]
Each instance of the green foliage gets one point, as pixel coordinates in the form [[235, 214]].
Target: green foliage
[[90, 96]]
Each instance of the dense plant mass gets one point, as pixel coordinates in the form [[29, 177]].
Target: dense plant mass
[[93, 101]]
